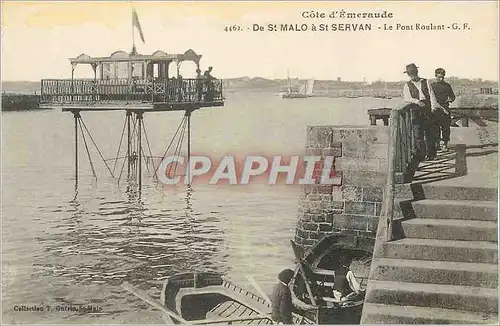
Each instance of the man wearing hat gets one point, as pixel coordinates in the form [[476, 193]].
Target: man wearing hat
[[419, 92], [444, 96], [282, 306]]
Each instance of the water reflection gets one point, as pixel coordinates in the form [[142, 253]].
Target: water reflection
[[107, 241]]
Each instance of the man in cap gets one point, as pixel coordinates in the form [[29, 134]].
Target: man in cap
[[419, 92], [444, 96], [281, 299]]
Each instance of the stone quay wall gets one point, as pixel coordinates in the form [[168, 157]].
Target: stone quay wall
[[354, 202]]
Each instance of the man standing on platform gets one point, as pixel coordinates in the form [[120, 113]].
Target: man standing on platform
[[444, 96], [418, 91]]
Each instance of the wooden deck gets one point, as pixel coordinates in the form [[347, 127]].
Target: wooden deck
[[130, 94]]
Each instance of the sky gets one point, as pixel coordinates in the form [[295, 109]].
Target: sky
[[39, 37]]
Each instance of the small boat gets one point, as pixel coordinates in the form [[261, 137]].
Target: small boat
[[305, 90], [314, 278], [208, 298]]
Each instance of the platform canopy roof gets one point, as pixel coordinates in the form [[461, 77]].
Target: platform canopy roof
[[122, 56]]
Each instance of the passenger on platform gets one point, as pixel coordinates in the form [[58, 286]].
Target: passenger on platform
[[282, 306], [208, 73], [444, 96], [180, 88], [199, 84], [345, 282], [419, 92], [210, 85]]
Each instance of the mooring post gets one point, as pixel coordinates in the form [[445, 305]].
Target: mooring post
[[76, 115], [139, 121], [129, 141]]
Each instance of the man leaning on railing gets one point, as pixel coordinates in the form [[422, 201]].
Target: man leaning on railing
[[419, 92]]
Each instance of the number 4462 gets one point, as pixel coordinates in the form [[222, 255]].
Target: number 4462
[[232, 28]]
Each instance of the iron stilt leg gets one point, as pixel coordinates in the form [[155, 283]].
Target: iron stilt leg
[[129, 141], [188, 172], [139, 121], [76, 115]]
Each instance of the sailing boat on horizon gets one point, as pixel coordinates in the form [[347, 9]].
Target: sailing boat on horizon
[[305, 90]]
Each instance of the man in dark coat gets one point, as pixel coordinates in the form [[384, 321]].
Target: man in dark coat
[[418, 92], [281, 299], [444, 96]]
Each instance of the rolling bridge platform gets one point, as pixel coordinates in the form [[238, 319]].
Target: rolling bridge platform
[[134, 83]]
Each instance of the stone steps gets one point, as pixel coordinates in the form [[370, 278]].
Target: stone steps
[[435, 272], [441, 250], [444, 270], [453, 209], [455, 297], [450, 229], [428, 191], [388, 314]]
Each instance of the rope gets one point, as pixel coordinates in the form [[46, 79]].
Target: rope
[[98, 150], [120, 145], [87, 149], [164, 154]]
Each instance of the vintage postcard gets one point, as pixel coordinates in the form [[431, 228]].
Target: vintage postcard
[[221, 162]]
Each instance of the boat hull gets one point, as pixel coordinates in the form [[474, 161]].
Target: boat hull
[[318, 265], [209, 297]]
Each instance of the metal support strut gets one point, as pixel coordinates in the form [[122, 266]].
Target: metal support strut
[[76, 115], [139, 144], [188, 169], [129, 141]]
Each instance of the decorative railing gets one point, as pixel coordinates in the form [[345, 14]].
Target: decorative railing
[[131, 90], [402, 159]]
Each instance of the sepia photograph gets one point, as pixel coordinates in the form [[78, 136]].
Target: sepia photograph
[[249, 162]]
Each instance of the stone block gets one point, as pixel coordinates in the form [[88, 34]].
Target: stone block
[[332, 151], [352, 193], [313, 197], [364, 150], [324, 189], [308, 242], [303, 234], [337, 193], [310, 226], [372, 223], [306, 216], [336, 205], [349, 222], [378, 209], [359, 208], [314, 235], [298, 240], [377, 135], [356, 164], [325, 227], [318, 218], [313, 151], [373, 194], [319, 136], [364, 178]]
